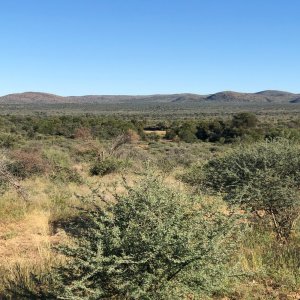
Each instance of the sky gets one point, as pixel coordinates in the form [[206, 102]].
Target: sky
[[79, 47]]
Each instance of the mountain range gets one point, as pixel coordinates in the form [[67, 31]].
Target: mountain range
[[268, 96]]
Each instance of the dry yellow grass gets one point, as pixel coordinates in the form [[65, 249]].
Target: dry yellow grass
[[25, 245], [160, 133], [27, 240]]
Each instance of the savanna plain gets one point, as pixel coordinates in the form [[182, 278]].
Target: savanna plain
[[150, 201]]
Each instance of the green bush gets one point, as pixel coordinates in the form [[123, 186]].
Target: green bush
[[106, 166], [244, 120], [261, 177], [152, 136], [151, 243], [193, 176], [8, 140], [60, 166], [57, 157], [65, 175]]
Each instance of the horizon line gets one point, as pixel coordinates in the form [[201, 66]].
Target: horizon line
[[154, 94]]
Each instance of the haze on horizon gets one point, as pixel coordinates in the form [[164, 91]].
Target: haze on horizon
[[141, 47]]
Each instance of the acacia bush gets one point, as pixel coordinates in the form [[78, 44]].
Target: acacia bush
[[182, 132], [27, 162], [261, 177], [150, 243], [60, 166], [65, 175], [244, 120], [106, 166]]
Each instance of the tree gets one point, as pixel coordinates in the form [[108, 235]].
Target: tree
[[187, 133], [244, 120]]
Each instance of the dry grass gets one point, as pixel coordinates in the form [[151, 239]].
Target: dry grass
[[160, 133], [25, 240], [26, 245]]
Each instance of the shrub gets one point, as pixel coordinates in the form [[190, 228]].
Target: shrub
[[170, 134], [262, 177], [27, 162], [83, 133], [153, 243], [4, 182], [187, 133], [152, 136], [193, 176], [61, 167], [8, 179], [57, 157], [105, 166], [244, 120], [65, 175], [8, 140], [212, 131]]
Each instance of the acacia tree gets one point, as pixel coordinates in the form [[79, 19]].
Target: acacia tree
[[261, 177]]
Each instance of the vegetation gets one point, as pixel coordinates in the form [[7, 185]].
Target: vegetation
[[262, 178], [151, 240], [106, 166], [185, 206]]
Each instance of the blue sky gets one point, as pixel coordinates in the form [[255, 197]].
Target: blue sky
[[149, 46]]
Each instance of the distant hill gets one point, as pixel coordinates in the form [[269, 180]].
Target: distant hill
[[260, 97], [268, 96], [31, 97], [189, 98], [44, 98]]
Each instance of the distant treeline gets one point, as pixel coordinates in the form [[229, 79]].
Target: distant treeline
[[69, 126], [242, 126]]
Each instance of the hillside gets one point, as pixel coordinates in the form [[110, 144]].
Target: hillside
[[44, 98], [260, 97], [221, 97]]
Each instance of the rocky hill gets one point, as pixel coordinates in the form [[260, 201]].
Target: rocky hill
[[260, 97], [221, 97]]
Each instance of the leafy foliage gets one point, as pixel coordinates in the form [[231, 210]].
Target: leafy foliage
[[105, 166], [244, 120], [242, 126], [8, 140], [148, 242], [261, 177]]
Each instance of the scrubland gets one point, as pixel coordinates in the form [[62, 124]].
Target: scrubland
[[99, 208]]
